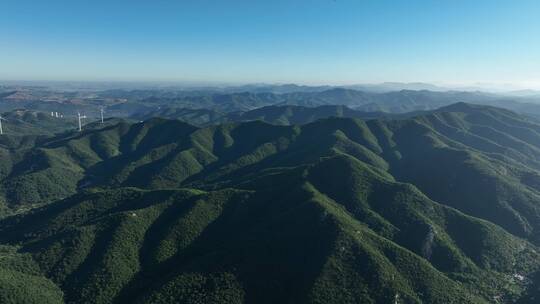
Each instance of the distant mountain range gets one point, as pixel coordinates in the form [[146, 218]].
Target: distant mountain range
[[256, 88], [392, 102], [124, 103], [301, 108], [441, 206]]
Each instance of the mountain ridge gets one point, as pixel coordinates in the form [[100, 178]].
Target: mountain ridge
[[442, 207]]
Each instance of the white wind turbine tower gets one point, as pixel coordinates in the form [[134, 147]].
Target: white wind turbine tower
[[101, 111], [1, 130], [80, 120]]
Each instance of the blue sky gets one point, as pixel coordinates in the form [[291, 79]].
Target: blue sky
[[278, 41]]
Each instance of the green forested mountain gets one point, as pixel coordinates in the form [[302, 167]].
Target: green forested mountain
[[26, 122], [276, 115], [196, 117], [443, 207], [299, 115]]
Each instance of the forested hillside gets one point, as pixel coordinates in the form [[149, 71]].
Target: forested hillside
[[442, 207], [276, 115]]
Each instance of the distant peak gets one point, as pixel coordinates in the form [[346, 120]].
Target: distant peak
[[470, 107]]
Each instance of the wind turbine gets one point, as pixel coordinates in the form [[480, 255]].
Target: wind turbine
[[101, 111], [80, 120], [1, 131]]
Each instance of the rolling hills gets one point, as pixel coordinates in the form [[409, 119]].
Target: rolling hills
[[26, 122], [401, 101], [388, 98], [203, 108], [276, 115], [442, 207]]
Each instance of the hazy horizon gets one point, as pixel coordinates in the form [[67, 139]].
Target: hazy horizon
[[187, 85]]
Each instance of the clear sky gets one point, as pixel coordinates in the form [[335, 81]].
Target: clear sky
[[277, 41]]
